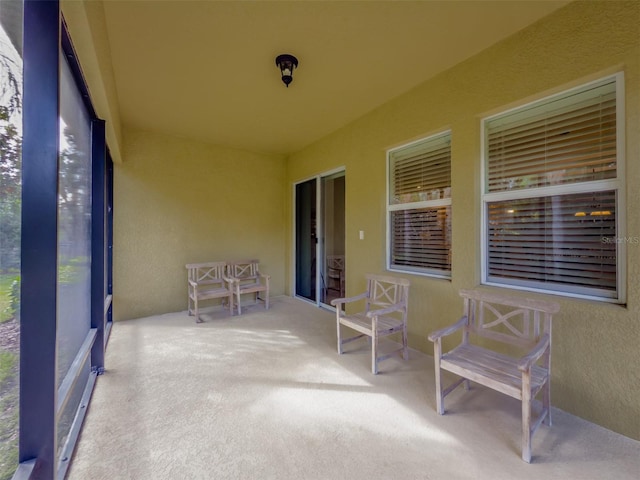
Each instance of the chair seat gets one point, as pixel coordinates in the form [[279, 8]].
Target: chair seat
[[361, 323], [486, 366]]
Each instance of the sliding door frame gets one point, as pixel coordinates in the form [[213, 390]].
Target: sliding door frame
[[319, 249]]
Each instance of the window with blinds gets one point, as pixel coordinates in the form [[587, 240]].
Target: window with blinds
[[419, 207], [552, 194]]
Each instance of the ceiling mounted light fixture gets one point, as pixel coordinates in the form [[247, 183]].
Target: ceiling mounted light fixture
[[287, 63]]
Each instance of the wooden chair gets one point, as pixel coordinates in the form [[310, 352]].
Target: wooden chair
[[335, 273], [207, 281], [246, 278], [391, 296], [522, 326]]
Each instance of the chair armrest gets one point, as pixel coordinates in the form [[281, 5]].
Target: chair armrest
[[193, 283], [526, 362], [443, 332], [338, 301], [383, 311]]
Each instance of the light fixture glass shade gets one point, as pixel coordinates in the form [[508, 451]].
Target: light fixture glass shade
[[286, 63]]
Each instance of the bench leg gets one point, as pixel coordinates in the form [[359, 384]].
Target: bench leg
[[437, 347], [405, 344], [190, 300], [526, 417], [238, 302], [196, 312], [374, 354]]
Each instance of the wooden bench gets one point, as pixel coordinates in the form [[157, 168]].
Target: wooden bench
[[245, 277], [207, 281], [523, 328]]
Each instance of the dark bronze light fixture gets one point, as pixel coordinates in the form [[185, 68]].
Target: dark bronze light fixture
[[287, 63]]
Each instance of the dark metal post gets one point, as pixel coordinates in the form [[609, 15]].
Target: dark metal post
[[38, 322], [98, 277]]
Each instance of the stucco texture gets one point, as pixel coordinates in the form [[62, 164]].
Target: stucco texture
[[179, 202], [595, 355]]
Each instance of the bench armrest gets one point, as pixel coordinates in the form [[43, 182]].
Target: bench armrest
[[338, 301], [443, 332], [383, 311], [526, 362]]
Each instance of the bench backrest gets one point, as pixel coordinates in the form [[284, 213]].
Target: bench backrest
[[206, 273], [383, 290], [509, 319], [243, 269]]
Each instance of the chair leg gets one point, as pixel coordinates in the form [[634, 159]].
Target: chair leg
[[436, 361], [238, 302], [405, 344], [546, 401], [266, 299], [230, 300], [338, 333], [374, 354]]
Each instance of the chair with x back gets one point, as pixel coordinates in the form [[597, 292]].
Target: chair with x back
[[246, 278], [207, 281], [384, 313]]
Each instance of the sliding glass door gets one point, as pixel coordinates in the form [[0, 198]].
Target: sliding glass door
[[332, 270], [320, 238]]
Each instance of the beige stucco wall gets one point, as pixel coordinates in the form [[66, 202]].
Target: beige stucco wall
[[178, 201], [596, 353]]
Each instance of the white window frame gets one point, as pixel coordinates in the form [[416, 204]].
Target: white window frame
[[616, 184], [414, 205]]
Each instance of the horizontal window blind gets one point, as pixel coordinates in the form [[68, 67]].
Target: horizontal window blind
[[565, 241], [421, 239], [421, 172], [567, 140], [562, 241], [419, 207]]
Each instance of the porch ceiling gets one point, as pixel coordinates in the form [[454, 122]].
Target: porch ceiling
[[205, 70]]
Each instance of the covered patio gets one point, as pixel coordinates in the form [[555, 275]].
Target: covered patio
[[457, 145], [265, 395]]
